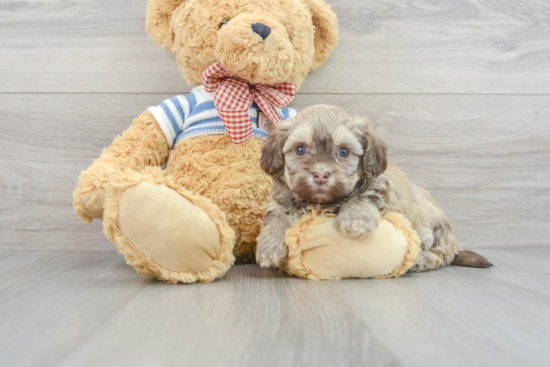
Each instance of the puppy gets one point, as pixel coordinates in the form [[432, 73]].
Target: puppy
[[327, 159]]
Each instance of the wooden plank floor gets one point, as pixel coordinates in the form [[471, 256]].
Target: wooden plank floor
[[91, 309]]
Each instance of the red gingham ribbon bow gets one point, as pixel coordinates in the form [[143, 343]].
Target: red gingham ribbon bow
[[234, 97]]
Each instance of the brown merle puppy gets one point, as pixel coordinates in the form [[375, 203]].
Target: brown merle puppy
[[325, 158]]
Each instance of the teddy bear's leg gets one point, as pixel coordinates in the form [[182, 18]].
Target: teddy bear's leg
[[166, 231], [316, 250]]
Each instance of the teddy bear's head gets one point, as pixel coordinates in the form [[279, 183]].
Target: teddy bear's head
[[261, 41]]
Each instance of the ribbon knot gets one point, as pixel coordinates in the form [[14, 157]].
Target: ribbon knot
[[235, 96]]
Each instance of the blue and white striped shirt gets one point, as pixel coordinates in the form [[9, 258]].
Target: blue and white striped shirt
[[193, 115]]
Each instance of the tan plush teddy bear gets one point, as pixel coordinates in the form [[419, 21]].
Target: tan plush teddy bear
[[188, 222]]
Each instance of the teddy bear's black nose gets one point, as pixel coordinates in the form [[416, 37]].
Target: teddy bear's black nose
[[261, 29]]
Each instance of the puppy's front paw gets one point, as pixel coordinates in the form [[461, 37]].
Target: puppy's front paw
[[355, 225], [270, 253]]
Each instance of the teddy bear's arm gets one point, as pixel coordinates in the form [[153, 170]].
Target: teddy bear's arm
[[143, 144]]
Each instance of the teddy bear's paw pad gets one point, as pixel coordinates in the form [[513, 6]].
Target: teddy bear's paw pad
[[168, 228], [317, 250], [330, 254]]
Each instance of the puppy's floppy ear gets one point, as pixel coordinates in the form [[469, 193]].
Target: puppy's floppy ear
[[273, 161], [157, 21], [375, 159], [326, 31]]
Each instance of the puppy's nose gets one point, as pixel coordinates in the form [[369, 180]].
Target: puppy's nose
[[261, 30], [321, 177]]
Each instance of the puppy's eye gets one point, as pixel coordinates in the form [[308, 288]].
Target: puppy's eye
[[301, 150], [224, 22], [344, 152]]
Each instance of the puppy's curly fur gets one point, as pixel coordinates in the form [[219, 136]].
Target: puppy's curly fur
[[325, 158]]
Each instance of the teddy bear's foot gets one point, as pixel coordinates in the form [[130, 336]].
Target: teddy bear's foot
[[166, 231], [316, 250]]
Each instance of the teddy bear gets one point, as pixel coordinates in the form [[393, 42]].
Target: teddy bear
[[189, 221]]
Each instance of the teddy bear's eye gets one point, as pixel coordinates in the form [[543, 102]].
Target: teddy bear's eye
[[224, 22]]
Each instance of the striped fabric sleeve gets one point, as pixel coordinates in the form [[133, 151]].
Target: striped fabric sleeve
[[291, 112], [172, 113], [286, 112]]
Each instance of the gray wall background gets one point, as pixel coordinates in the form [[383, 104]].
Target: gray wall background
[[460, 90]]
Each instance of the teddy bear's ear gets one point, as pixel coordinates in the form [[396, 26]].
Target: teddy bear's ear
[[326, 31], [157, 22]]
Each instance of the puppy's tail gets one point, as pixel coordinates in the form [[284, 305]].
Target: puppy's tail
[[471, 260]]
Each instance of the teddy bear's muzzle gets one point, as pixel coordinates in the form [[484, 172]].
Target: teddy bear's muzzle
[[256, 48]]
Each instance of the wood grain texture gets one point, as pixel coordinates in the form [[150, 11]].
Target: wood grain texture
[[91, 309], [459, 141], [410, 46], [483, 158], [54, 303], [527, 267], [460, 316]]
